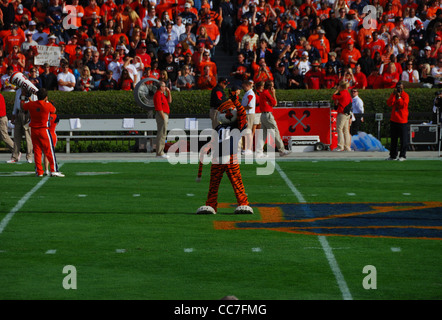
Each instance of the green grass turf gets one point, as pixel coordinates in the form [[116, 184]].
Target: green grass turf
[[148, 209]]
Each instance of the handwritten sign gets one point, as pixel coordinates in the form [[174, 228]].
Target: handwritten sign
[[48, 54]]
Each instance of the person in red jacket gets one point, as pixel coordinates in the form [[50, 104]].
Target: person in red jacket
[[162, 100], [267, 101], [390, 77], [398, 101], [40, 112], [343, 101]]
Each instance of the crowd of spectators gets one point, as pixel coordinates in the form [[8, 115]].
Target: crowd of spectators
[[297, 44]]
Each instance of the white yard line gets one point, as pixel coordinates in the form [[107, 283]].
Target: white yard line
[[22, 201], [346, 295]]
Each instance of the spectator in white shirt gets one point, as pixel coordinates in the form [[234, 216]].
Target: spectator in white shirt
[[40, 37], [28, 42], [410, 20], [357, 111], [249, 103], [65, 79], [179, 27], [436, 73], [129, 65], [410, 74], [115, 66]]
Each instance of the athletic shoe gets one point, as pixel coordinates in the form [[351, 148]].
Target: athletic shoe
[[164, 156], [243, 210], [402, 158], [260, 155], [29, 160], [205, 210], [13, 160], [48, 173], [248, 153], [57, 174], [39, 175], [391, 159], [284, 153], [337, 150]]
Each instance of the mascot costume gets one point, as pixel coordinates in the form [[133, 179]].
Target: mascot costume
[[232, 116]]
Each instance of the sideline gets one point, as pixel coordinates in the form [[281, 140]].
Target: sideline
[[346, 295], [22, 202]]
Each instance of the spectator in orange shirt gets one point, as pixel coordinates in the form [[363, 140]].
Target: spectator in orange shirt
[[92, 11], [14, 39], [323, 46], [109, 9], [376, 45], [261, 72], [21, 12], [364, 34], [432, 9], [206, 81], [16, 59], [387, 20], [205, 10], [77, 11], [206, 62], [350, 55], [345, 35], [241, 31], [212, 31], [116, 37], [324, 11], [71, 45], [360, 78], [39, 11]]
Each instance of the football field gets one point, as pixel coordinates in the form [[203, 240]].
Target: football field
[[127, 230]]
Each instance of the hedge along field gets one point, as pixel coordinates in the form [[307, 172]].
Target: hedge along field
[[196, 102]]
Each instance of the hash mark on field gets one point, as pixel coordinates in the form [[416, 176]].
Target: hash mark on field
[[82, 195], [120, 250], [188, 249], [396, 249], [51, 251], [256, 250], [340, 248], [190, 194], [351, 194], [406, 194], [136, 195]]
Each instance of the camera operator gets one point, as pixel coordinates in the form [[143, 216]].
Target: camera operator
[[399, 101], [437, 108]]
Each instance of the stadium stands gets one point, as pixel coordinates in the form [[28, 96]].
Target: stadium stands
[[382, 40]]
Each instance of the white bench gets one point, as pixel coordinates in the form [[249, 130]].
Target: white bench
[[69, 129]]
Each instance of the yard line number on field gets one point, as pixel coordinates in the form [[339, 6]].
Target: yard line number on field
[[346, 295], [21, 203]]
